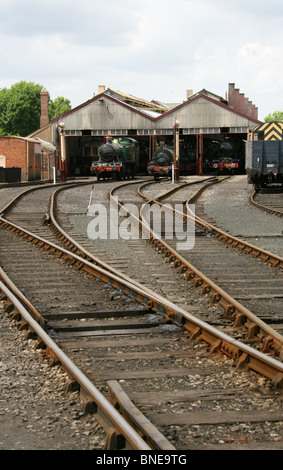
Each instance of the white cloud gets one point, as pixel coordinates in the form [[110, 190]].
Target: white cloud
[[149, 48], [254, 54]]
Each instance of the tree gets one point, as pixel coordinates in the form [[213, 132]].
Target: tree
[[276, 116], [20, 108], [59, 106]]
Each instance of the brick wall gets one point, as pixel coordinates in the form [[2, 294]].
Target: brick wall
[[240, 103], [14, 149], [20, 151]]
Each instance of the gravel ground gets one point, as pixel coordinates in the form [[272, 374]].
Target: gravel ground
[[36, 413], [256, 226]]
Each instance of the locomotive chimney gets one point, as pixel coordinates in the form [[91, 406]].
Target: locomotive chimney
[[44, 117]]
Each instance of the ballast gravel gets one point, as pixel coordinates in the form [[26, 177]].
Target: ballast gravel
[[36, 411], [228, 204]]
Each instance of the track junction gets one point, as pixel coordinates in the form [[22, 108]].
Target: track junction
[[153, 359]]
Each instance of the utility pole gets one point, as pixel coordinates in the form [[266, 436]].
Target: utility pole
[[176, 150], [62, 149]]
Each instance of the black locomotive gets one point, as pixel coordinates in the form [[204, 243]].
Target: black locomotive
[[227, 161], [117, 159], [161, 163]]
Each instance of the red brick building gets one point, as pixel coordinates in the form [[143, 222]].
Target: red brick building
[[24, 153], [35, 157]]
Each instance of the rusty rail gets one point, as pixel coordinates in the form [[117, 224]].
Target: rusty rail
[[272, 342], [243, 354], [262, 207], [103, 410]]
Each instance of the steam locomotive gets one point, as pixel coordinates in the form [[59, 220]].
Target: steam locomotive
[[161, 163], [226, 161], [117, 159]]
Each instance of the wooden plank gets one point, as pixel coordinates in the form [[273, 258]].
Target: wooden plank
[[184, 396], [71, 334], [100, 325], [100, 314], [136, 341], [114, 374], [225, 417]]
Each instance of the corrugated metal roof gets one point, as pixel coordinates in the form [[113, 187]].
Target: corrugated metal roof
[[46, 145], [137, 102]]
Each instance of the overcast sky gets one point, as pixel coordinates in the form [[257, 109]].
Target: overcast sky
[[153, 49]]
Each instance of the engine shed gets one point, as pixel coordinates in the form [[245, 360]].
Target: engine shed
[[205, 120]]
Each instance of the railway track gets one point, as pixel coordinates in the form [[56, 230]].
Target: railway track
[[153, 360], [233, 289], [269, 199]]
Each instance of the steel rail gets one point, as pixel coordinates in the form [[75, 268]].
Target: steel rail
[[68, 241], [8, 206], [244, 355], [264, 208], [272, 342], [266, 256], [144, 428], [257, 329], [20, 296], [79, 249], [105, 412], [22, 194]]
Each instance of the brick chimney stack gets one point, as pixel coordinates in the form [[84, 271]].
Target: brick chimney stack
[[44, 117], [240, 103]]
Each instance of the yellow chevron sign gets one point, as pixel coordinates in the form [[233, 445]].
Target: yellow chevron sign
[[270, 130]]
